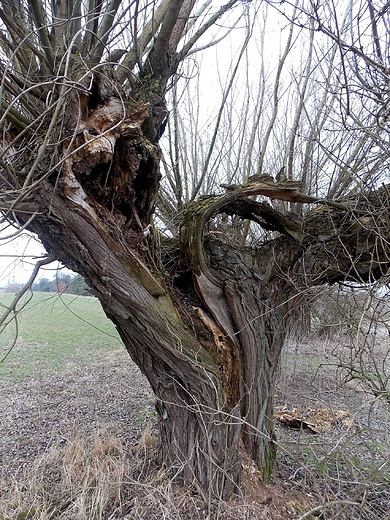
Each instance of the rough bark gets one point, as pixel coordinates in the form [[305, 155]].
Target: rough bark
[[210, 344], [208, 331], [254, 295], [198, 430]]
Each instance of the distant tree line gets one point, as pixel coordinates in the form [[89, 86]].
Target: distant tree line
[[62, 283]]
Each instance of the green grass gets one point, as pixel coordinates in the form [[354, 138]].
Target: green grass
[[53, 332]]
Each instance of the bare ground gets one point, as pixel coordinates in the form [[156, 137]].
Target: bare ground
[[102, 417]]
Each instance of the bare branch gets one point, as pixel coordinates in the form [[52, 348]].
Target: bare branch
[[222, 107], [281, 64], [39, 15], [212, 20], [27, 287], [159, 59], [105, 27], [137, 52]]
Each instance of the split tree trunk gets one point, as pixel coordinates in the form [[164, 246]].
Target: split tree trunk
[[209, 336], [213, 381], [199, 415], [85, 164]]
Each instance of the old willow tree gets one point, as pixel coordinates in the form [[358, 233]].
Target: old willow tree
[[84, 89]]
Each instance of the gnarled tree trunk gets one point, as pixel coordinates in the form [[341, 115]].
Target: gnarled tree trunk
[[205, 321], [207, 334]]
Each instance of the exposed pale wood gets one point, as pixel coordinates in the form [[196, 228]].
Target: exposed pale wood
[[206, 326]]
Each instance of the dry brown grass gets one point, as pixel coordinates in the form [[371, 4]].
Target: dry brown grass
[[79, 480], [92, 477], [95, 477], [82, 445]]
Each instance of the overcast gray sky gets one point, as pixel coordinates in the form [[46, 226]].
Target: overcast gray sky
[[18, 256]]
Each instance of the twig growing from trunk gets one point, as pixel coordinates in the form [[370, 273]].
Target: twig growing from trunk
[[26, 287]]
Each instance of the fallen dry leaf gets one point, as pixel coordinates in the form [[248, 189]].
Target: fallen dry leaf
[[318, 420]]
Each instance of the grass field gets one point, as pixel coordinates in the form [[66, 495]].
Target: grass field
[[53, 331]]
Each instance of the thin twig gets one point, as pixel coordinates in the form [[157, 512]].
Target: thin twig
[[26, 287]]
